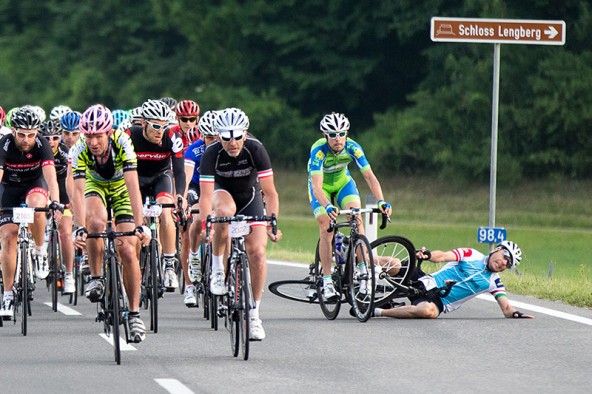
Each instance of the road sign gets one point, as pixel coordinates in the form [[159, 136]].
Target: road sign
[[491, 235], [503, 31]]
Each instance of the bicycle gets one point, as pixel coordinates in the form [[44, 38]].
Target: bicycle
[[112, 309], [348, 277], [55, 279], [238, 302], [181, 222], [24, 284], [152, 276]]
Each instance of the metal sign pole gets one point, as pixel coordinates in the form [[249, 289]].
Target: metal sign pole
[[494, 130]]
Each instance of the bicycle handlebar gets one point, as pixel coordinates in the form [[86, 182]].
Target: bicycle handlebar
[[115, 234], [242, 218], [357, 212]]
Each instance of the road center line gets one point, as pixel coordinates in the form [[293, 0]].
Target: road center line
[[65, 310], [486, 297], [123, 346], [173, 386]]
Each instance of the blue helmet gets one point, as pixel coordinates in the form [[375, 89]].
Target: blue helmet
[[70, 120], [119, 116]]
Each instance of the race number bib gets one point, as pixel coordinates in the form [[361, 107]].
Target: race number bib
[[152, 211], [238, 229], [23, 215]]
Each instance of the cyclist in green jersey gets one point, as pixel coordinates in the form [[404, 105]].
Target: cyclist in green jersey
[[331, 187]]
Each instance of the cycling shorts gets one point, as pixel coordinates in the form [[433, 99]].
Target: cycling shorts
[[249, 203], [117, 192], [13, 195], [192, 193], [156, 186], [340, 197], [435, 299]]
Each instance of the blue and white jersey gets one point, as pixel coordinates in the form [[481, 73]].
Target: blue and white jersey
[[471, 276], [193, 155]]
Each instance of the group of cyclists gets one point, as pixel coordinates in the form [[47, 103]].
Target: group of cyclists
[[165, 151]]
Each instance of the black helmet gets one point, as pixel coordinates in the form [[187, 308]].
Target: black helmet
[[25, 118], [50, 128]]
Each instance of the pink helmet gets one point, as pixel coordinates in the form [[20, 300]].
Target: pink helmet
[[96, 119]]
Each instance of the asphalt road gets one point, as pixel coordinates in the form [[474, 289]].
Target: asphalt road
[[471, 350]]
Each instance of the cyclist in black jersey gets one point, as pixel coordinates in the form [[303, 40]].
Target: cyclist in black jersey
[[233, 174], [27, 171], [103, 166], [52, 132], [158, 150]]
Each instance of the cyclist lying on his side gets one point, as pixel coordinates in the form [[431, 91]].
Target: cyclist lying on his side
[[474, 274]]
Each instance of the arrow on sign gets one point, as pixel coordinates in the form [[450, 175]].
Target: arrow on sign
[[552, 32]]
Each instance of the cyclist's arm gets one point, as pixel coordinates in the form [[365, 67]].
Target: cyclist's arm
[[133, 188], [179, 173], [77, 199], [271, 196], [317, 189], [373, 184], [439, 256], [205, 199], [508, 310], [189, 169], [49, 173]]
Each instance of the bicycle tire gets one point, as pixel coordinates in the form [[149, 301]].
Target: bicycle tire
[[244, 303], [330, 308], [154, 285], [304, 290], [74, 296], [232, 312], [388, 252], [113, 302], [52, 256], [24, 282], [361, 278], [205, 286]]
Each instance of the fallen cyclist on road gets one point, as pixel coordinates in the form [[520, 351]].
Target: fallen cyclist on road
[[472, 274]]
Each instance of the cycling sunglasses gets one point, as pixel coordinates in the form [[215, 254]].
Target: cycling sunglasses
[[23, 135], [227, 135], [187, 119], [334, 135], [508, 257], [156, 126], [52, 137]]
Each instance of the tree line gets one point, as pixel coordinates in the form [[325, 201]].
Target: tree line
[[416, 106]]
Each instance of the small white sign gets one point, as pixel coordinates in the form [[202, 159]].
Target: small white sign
[[239, 229], [23, 215]]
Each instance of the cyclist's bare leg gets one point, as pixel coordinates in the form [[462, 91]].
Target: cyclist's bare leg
[[37, 200], [256, 245], [65, 229], [423, 310], [325, 240], [132, 277], [8, 233], [96, 220], [167, 226], [223, 205]]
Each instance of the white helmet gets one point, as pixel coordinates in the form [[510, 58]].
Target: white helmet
[[206, 124], [231, 119], [334, 123], [38, 110], [59, 111], [513, 251], [155, 109]]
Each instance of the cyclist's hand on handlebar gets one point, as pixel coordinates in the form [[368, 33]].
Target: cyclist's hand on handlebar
[[143, 233], [385, 207], [80, 238], [332, 211], [274, 238]]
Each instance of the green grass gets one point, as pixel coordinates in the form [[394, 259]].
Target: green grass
[[551, 222]]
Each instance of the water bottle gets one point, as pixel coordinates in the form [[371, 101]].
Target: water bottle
[[340, 255]]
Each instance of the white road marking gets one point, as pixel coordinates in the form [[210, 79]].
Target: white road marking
[[487, 297], [65, 310], [173, 386], [540, 309], [123, 346]]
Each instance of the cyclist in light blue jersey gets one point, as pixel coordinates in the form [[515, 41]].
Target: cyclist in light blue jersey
[[474, 274]]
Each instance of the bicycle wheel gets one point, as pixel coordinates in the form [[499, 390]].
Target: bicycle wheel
[[74, 296], [24, 284], [394, 259], [304, 290], [330, 308], [361, 278], [204, 286], [154, 284], [245, 303], [52, 256], [233, 299], [113, 305]]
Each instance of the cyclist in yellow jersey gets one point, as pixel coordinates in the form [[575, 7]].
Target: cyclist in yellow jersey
[[103, 166], [329, 178]]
